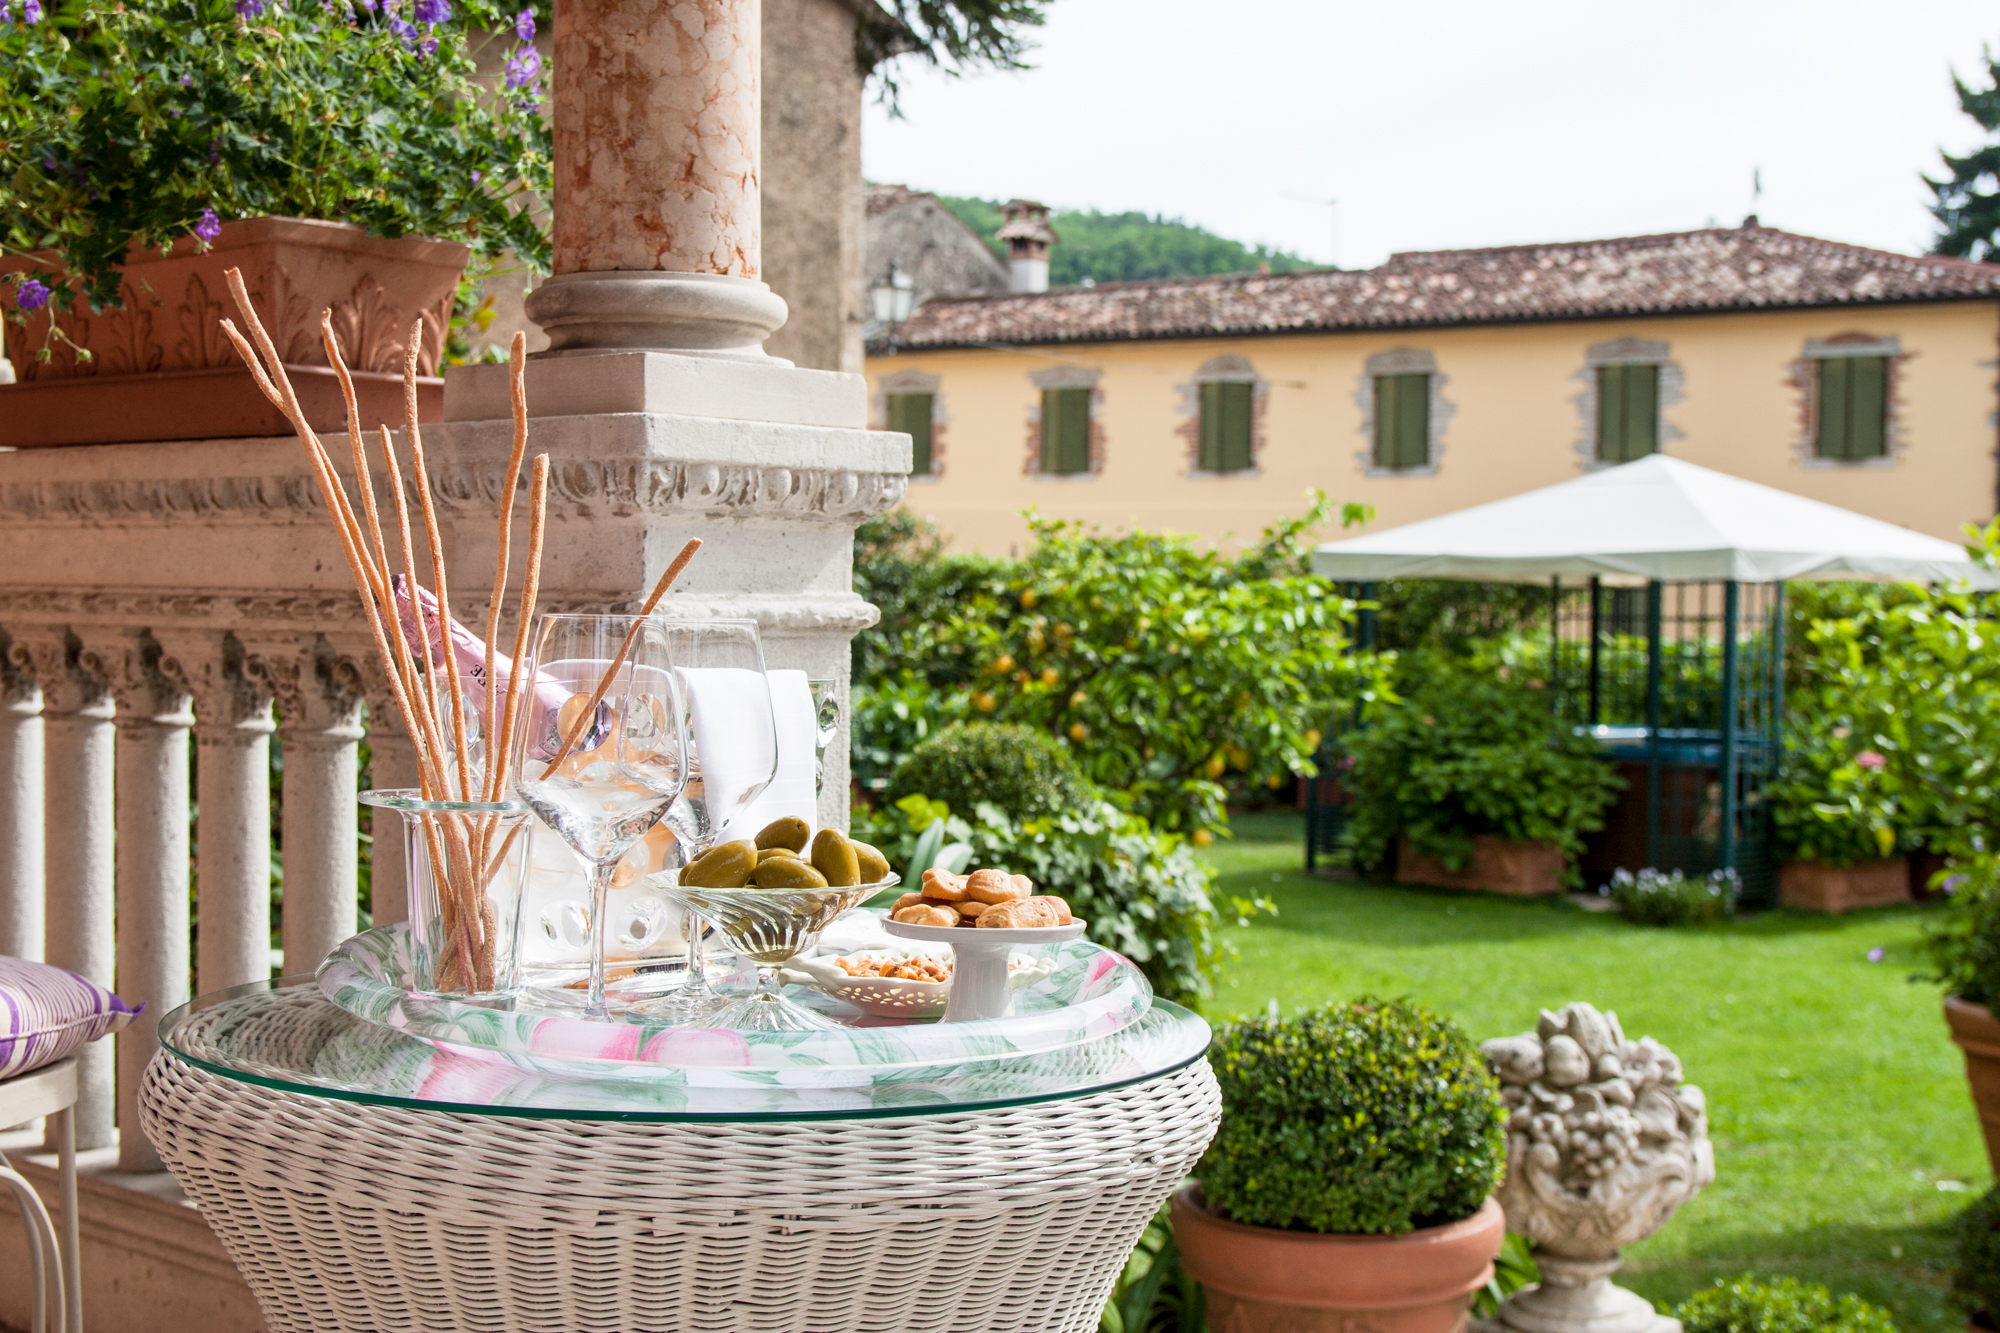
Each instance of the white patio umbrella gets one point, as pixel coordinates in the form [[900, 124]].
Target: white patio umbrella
[[1657, 518]]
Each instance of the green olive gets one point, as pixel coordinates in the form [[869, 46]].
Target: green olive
[[834, 856], [725, 867], [789, 833], [874, 865], [769, 852], [787, 872]]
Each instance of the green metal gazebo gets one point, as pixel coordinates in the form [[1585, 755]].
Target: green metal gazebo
[[1666, 618]]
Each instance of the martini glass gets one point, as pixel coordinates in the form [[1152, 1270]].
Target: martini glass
[[732, 755], [601, 781]]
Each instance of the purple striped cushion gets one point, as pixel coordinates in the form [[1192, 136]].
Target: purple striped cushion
[[47, 1013]]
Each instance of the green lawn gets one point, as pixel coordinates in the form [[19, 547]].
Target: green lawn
[[1837, 1103]]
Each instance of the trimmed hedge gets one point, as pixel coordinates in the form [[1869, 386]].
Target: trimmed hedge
[[1782, 1305], [1026, 772], [1374, 1117]]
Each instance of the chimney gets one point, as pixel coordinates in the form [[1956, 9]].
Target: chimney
[[1028, 236]]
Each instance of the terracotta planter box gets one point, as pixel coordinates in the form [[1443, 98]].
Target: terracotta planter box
[[1823, 888], [1528, 869], [161, 368], [1977, 1033], [1263, 1280]]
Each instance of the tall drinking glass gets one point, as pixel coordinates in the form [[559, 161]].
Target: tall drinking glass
[[601, 777], [732, 755]]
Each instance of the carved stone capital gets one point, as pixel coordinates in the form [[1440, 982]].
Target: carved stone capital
[[146, 685], [228, 703], [318, 691], [71, 681], [20, 692]]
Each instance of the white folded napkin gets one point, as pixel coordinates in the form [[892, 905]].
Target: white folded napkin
[[794, 791]]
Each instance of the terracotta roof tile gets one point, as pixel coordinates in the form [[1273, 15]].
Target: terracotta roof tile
[[1745, 268]]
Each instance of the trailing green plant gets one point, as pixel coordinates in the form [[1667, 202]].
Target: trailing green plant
[[1513, 1268], [1964, 944], [1025, 772], [1778, 1305], [1375, 1117], [1142, 892], [1165, 668], [1978, 1274], [1674, 898], [1153, 1293], [147, 125], [1467, 748]]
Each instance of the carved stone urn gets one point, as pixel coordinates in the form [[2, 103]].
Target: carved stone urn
[[1604, 1141], [159, 368]]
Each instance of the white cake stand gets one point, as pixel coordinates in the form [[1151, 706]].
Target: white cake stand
[[979, 966]]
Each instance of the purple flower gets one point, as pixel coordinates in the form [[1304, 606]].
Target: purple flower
[[187, 80], [207, 227], [523, 66], [31, 12], [524, 25], [31, 295], [1870, 759], [433, 11], [407, 32], [48, 164], [250, 9], [1876, 954], [476, 176]]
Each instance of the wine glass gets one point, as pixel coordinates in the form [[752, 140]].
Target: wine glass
[[732, 755], [601, 777]]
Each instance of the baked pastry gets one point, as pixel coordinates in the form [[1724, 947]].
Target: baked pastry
[[924, 914], [1020, 914], [943, 885], [993, 886]]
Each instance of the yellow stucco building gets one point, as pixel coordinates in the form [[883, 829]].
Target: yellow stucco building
[[1445, 379]]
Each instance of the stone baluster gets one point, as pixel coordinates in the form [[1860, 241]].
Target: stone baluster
[[392, 763], [21, 894], [318, 692], [232, 735], [79, 767], [153, 721]]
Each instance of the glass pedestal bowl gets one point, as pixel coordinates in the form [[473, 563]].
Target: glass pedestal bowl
[[770, 926]]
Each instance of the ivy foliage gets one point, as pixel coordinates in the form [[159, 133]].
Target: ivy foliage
[[1964, 944], [1780, 1305], [1374, 1117], [133, 124], [1470, 745], [1142, 892]]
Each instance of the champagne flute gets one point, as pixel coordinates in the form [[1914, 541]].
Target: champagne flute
[[603, 781], [732, 755]]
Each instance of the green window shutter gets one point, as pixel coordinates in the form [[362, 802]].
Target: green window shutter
[[1867, 406], [1226, 410], [1065, 431], [910, 413], [1836, 377], [1402, 421], [1628, 412]]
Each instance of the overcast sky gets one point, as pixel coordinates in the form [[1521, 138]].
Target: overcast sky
[[1455, 123]]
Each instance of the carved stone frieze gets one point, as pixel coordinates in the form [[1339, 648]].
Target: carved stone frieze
[[578, 489], [1604, 1141]]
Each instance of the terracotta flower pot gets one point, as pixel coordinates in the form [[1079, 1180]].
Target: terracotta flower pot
[[1263, 1280], [1823, 888], [162, 369], [1528, 869], [1977, 1033]]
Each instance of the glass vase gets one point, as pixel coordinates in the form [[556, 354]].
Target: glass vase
[[467, 865]]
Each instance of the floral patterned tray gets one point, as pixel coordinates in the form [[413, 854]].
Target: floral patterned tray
[[1091, 994]]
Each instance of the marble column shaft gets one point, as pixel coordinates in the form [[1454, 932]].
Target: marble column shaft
[[319, 706], [233, 727]]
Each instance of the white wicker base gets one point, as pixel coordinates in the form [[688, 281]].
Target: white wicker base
[[356, 1217]]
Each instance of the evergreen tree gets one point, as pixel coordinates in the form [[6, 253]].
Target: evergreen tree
[[1969, 216], [1118, 247]]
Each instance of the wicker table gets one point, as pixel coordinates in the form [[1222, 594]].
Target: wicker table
[[364, 1180]]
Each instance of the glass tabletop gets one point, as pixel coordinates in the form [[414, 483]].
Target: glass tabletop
[[286, 1035]]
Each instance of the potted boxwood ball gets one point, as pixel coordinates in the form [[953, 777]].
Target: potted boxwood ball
[[1350, 1185], [1965, 948]]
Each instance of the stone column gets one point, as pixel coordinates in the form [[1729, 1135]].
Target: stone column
[[319, 723], [656, 180], [153, 722], [78, 837], [392, 762], [21, 893], [232, 738]]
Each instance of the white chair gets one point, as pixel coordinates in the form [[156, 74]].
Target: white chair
[[48, 1091]]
